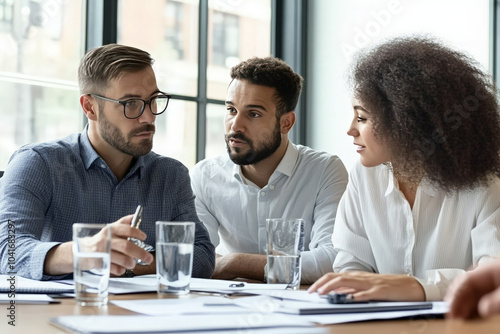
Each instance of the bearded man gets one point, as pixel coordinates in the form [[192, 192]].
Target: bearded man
[[266, 176], [99, 176]]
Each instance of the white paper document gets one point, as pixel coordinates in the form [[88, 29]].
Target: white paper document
[[122, 285], [438, 309], [147, 283], [137, 284], [26, 298], [231, 287], [322, 313], [268, 304], [299, 295], [25, 285], [184, 323], [174, 306]]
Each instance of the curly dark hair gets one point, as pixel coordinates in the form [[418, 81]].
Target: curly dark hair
[[434, 108], [272, 72]]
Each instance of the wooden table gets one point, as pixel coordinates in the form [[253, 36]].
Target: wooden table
[[35, 319]]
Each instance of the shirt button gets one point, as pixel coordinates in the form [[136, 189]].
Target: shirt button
[[271, 187], [263, 193], [103, 166]]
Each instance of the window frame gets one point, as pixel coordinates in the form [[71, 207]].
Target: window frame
[[288, 16], [494, 35]]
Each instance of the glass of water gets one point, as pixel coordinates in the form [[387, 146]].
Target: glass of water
[[91, 263], [174, 256], [285, 242]]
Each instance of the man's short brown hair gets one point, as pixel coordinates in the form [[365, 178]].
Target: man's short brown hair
[[101, 65]]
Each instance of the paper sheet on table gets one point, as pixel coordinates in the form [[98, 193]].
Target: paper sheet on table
[[300, 295], [26, 298], [124, 285], [147, 283], [438, 309], [137, 284], [269, 304], [231, 287], [25, 285], [180, 323], [181, 305], [117, 285]]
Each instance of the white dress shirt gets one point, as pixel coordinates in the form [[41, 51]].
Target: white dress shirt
[[441, 237], [306, 184]]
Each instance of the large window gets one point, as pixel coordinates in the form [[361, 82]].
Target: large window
[[41, 46], [42, 42], [237, 30], [340, 28], [173, 40]]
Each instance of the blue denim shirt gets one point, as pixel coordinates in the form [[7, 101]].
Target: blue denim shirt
[[50, 186]]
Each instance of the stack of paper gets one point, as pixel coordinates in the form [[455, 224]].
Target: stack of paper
[[27, 299], [187, 323], [25, 285]]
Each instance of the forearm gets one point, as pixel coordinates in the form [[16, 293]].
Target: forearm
[[27, 258], [369, 286], [59, 260], [241, 265]]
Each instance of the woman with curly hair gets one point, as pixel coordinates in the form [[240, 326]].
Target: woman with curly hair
[[423, 204]]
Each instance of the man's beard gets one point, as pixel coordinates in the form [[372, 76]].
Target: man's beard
[[253, 155], [112, 135]]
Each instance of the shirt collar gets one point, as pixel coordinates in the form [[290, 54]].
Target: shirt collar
[[285, 166], [391, 186], [289, 160], [237, 173], [424, 185], [89, 155], [428, 187]]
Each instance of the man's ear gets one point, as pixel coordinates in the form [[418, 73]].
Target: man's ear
[[287, 121], [87, 102]]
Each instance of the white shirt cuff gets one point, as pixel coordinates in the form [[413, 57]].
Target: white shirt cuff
[[437, 282]]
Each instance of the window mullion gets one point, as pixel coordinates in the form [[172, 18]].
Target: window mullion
[[201, 117]]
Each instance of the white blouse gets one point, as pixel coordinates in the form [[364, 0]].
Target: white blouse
[[441, 237]]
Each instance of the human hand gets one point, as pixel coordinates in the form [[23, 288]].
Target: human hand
[[475, 293], [369, 286], [123, 251]]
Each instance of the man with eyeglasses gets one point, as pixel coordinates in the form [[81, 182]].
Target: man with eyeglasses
[[99, 176]]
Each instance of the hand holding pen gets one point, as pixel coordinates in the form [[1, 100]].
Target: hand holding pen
[[124, 252], [136, 221]]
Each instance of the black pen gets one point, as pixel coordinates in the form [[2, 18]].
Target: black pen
[[340, 298]]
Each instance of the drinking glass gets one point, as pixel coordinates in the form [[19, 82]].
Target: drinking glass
[[91, 263], [285, 242], [174, 256]]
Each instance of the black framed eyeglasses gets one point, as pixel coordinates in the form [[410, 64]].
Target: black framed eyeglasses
[[133, 108]]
